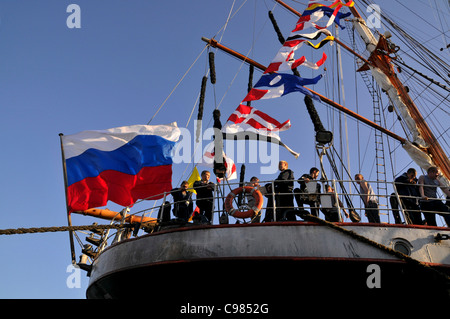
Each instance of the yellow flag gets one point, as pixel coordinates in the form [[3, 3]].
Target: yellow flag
[[195, 176]]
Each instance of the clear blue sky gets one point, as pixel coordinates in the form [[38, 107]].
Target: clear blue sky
[[116, 70]]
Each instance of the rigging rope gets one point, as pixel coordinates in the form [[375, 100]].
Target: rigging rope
[[372, 243], [276, 28], [34, 230], [396, 61], [307, 217], [173, 90], [426, 57]]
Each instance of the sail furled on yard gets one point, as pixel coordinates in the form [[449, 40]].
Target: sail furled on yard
[[423, 147], [121, 164]]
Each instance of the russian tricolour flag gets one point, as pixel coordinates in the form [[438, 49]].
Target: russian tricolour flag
[[121, 164]]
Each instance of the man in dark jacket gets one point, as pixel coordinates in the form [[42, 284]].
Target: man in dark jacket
[[332, 213], [304, 196], [284, 184], [407, 189], [182, 199], [204, 189]]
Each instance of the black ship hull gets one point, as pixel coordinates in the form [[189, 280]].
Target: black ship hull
[[276, 264]]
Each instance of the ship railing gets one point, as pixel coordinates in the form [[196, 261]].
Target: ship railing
[[222, 190], [164, 211], [164, 218]]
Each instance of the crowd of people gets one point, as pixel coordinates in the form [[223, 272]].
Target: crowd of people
[[414, 197]]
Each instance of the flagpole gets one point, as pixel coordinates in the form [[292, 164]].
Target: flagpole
[[69, 217]]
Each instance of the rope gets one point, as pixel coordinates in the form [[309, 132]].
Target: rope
[[34, 230], [308, 217], [173, 90], [372, 243]]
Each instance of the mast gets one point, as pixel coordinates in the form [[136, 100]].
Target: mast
[[382, 69], [383, 72], [425, 150]]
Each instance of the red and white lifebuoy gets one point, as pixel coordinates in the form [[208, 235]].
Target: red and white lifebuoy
[[248, 213]]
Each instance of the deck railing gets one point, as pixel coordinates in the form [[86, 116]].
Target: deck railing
[[351, 201], [163, 208]]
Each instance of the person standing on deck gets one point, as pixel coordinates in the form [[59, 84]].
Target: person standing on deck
[[284, 184], [268, 193], [254, 182], [332, 213], [204, 189], [408, 191], [428, 185], [303, 196], [369, 199], [182, 198]]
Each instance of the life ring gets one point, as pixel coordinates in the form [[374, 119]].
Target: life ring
[[248, 213]]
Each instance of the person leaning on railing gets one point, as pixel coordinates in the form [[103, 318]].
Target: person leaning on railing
[[408, 191], [428, 185], [251, 202], [268, 193], [303, 196], [332, 213], [369, 198]]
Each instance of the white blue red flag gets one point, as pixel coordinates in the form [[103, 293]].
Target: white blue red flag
[[334, 14], [279, 84], [121, 164], [277, 79], [249, 117], [247, 122], [284, 60]]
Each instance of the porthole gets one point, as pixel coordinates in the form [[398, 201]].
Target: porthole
[[402, 246]]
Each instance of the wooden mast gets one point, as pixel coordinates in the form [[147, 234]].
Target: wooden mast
[[382, 61]]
